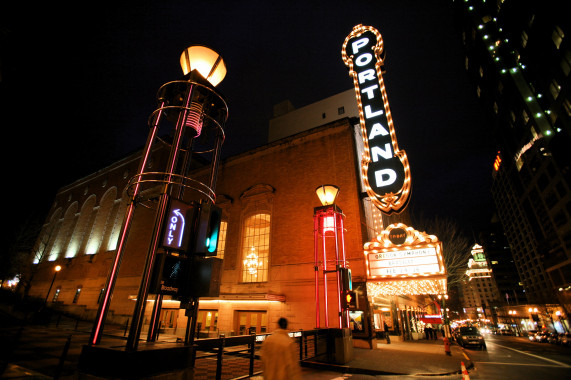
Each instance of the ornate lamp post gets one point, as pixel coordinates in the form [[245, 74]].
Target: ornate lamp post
[[328, 224], [446, 321], [196, 113]]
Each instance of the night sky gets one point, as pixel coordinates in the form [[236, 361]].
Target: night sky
[[79, 81]]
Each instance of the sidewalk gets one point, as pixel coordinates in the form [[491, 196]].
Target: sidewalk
[[417, 357], [36, 353]]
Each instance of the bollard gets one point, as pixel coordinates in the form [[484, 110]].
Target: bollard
[[446, 346], [59, 368], [220, 352]]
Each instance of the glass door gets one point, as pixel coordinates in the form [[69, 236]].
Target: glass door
[[252, 322], [207, 320]]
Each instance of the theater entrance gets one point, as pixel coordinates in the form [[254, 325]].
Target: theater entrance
[[251, 322]]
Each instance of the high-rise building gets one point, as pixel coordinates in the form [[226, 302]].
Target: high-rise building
[[479, 289], [501, 262], [518, 56]]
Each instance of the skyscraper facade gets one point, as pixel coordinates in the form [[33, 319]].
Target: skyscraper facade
[[518, 56]]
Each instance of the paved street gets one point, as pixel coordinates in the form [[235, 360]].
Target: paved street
[[36, 351], [517, 358]]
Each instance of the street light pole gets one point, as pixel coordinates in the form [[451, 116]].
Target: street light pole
[[190, 106], [328, 223], [445, 312], [56, 270]]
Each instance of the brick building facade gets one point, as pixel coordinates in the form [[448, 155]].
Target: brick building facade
[[267, 196]]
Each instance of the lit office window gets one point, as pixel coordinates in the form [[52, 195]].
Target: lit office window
[[557, 36], [524, 39], [554, 88]]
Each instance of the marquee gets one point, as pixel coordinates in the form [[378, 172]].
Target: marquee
[[402, 261]]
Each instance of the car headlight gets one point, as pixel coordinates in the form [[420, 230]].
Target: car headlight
[[480, 337], [464, 337]]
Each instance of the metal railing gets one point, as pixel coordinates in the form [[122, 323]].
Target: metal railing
[[237, 357], [234, 357]]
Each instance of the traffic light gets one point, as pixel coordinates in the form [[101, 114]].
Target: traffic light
[[177, 226], [207, 230], [346, 280], [351, 300], [169, 274]]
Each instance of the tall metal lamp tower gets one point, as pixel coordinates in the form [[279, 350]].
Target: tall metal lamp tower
[[328, 229], [195, 113]]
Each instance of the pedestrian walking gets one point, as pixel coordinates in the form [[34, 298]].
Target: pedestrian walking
[[279, 359], [428, 330], [386, 327]]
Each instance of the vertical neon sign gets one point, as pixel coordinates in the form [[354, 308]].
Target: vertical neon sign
[[385, 168]]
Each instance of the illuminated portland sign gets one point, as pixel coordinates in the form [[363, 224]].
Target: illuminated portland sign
[[385, 168]]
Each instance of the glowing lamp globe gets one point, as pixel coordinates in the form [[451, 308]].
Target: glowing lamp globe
[[204, 60], [327, 194]]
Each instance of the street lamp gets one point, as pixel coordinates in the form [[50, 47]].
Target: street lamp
[[444, 297], [328, 224], [56, 270], [327, 194], [196, 112]]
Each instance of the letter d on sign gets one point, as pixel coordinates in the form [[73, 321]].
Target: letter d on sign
[[385, 177]]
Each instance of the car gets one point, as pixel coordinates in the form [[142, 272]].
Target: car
[[531, 335], [541, 337], [554, 338], [485, 330], [470, 336], [566, 339]]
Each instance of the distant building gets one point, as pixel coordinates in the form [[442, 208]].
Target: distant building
[[479, 289], [518, 54]]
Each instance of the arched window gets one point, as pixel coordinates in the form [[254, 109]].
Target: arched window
[[256, 248], [48, 237], [64, 232], [222, 239], [224, 202], [82, 227], [101, 222], [256, 227]]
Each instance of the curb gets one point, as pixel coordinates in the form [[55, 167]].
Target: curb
[[345, 369], [372, 372]]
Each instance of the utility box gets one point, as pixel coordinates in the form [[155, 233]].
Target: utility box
[[340, 346], [205, 277]]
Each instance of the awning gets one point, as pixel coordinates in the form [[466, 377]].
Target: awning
[[433, 320]]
